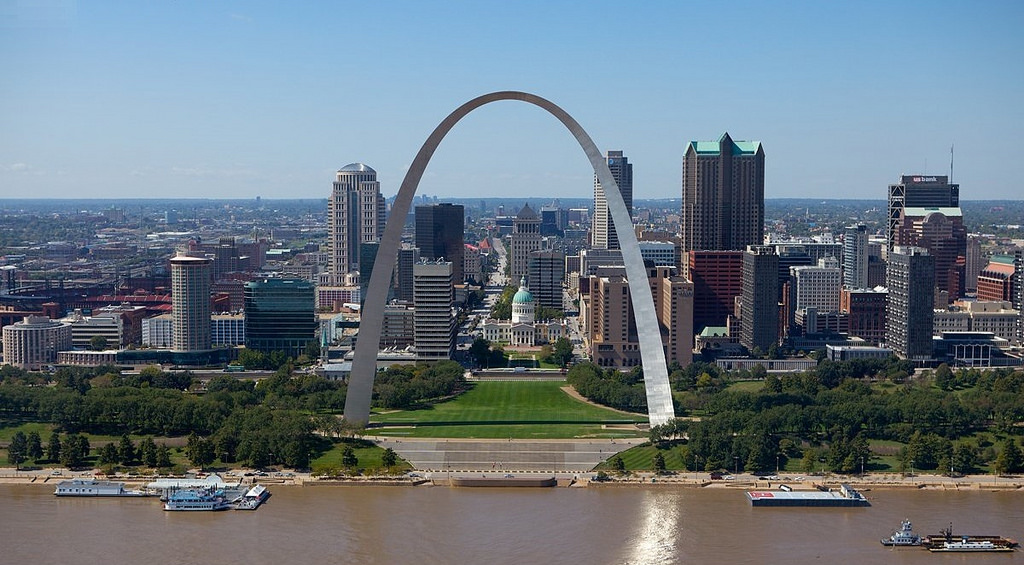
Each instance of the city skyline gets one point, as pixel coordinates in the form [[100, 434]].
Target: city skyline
[[244, 100]]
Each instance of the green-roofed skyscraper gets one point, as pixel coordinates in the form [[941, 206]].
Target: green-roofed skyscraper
[[723, 195]]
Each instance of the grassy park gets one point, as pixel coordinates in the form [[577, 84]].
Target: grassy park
[[508, 409]]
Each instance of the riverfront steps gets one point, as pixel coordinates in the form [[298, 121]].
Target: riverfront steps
[[515, 455]]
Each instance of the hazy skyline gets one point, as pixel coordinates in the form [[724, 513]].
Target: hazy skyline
[[246, 99]]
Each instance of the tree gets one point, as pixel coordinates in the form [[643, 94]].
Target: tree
[[98, 343], [126, 450], [71, 453], [108, 454], [35, 446], [53, 447], [562, 354], [390, 458], [147, 452], [480, 351], [659, 462], [348, 458], [163, 456], [944, 377], [17, 450], [618, 464], [200, 451], [1009, 458]]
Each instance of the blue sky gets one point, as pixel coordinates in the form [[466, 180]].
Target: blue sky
[[246, 99]]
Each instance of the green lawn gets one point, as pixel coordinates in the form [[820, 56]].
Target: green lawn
[[500, 409], [368, 454]]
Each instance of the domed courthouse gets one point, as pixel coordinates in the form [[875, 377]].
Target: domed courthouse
[[523, 331]]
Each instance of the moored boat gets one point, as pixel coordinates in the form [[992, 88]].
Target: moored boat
[[253, 498], [93, 487], [196, 500]]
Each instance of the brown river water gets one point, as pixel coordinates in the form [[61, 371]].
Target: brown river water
[[441, 525]]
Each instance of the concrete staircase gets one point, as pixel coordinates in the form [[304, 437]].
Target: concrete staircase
[[505, 455]]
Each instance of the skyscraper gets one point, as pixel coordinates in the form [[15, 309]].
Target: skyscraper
[[723, 195], [433, 319], [355, 214], [408, 256], [918, 191], [759, 310], [909, 311], [546, 271], [279, 315], [604, 236], [526, 239], [440, 234], [190, 303], [855, 256]]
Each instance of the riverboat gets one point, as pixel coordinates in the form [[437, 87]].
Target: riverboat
[[904, 536], [196, 501], [93, 487]]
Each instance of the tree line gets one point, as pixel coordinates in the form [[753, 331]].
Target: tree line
[[950, 421]]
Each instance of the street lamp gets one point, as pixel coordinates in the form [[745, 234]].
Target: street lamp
[[911, 467], [776, 463], [862, 466], [736, 458]]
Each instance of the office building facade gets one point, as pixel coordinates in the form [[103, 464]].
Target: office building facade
[[440, 234], [526, 239], [759, 309], [545, 274], [920, 191], [909, 312], [434, 318], [603, 230], [723, 195], [33, 343], [280, 315], [190, 303], [355, 214], [855, 256], [717, 278]]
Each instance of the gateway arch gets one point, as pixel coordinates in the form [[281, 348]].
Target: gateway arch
[[364, 363]]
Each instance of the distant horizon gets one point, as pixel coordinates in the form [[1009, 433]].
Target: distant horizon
[[439, 197]]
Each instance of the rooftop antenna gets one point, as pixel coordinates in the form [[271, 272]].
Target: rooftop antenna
[[951, 163]]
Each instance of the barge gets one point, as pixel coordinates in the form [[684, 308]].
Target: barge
[[947, 541], [846, 496], [507, 480]]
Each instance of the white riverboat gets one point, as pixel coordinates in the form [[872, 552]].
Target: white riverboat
[[189, 500], [904, 536], [93, 487]]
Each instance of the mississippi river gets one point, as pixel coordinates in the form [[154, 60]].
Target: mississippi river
[[441, 525]]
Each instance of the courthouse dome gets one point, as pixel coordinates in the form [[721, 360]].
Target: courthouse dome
[[356, 168], [523, 296]]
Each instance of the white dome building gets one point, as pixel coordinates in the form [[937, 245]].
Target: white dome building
[[523, 330], [523, 307]]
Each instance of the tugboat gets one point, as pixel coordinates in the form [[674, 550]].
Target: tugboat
[[904, 536]]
